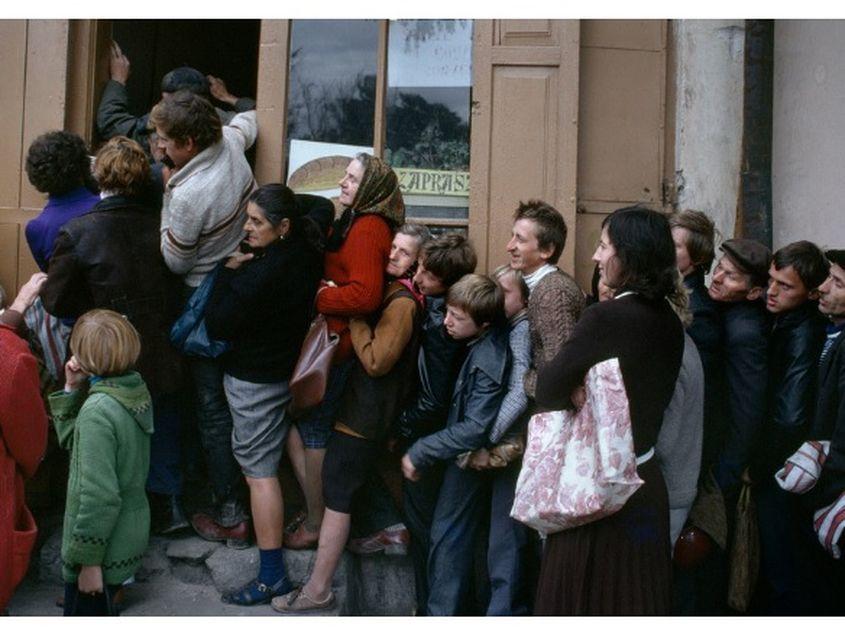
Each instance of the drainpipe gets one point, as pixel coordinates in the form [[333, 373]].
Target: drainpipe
[[754, 208]]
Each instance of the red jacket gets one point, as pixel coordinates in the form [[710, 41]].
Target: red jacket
[[23, 439], [358, 270]]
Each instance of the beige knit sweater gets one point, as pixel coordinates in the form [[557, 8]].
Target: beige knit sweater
[[204, 207]]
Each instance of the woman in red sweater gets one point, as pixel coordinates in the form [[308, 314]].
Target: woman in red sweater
[[356, 256], [23, 439]]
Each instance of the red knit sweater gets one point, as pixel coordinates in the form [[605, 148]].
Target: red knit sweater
[[358, 270], [23, 439]]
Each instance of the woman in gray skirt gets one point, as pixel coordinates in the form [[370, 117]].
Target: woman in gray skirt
[[260, 303]]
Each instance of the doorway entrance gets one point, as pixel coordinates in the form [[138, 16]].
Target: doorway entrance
[[227, 49]]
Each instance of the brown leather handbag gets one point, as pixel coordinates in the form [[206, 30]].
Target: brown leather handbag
[[310, 376]]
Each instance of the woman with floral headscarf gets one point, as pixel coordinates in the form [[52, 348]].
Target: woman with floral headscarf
[[357, 251]]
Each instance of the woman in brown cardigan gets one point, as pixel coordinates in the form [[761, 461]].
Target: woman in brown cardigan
[[620, 564]]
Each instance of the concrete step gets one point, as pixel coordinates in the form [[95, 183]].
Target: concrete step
[[186, 576]]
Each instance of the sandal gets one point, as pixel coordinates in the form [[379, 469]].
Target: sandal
[[255, 592], [298, 601]]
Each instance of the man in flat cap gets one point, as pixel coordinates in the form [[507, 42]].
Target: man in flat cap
[[738, 287]]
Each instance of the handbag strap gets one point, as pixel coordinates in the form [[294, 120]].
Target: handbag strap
[[645, 457]]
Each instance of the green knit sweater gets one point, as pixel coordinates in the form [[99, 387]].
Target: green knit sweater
[[107, 518]]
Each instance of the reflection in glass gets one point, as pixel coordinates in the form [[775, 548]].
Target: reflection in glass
[[331, 96], [429, 75], [428, 93]]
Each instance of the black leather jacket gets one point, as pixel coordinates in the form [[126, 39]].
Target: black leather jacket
[[746, 368], [477, 395], [438, 364], [795, 345]]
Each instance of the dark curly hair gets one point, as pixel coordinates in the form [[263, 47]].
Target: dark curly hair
[[184, 116], [57, 162]]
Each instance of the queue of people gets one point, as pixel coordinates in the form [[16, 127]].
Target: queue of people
[[444, 368]]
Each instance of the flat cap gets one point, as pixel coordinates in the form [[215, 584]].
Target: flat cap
[[751, 256]]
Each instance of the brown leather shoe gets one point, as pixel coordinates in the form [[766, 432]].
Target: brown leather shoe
[[301, 539], [235, 537]]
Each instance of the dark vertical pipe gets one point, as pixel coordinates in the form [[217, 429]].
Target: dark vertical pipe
[[754, 213]]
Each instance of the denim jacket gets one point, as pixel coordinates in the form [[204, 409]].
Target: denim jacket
[[481, 385]]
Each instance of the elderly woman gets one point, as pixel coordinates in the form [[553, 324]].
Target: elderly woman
[[386, 347], [621, 564], [260, 303], [358, 250], [110, 258]]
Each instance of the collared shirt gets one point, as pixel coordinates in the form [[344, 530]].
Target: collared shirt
[[534, 278], [833, 331]]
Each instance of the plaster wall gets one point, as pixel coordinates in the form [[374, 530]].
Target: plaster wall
[[708, 130], [809, 132]]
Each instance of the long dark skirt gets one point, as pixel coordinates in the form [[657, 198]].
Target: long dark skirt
[[620, 565]]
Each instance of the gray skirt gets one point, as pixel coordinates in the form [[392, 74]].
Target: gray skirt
[[259, 424]]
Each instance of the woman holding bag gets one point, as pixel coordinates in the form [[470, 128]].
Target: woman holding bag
[[620, 565], [260, 303], [357, 252]]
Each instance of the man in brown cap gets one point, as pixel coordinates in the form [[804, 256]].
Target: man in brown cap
[[738, 286]]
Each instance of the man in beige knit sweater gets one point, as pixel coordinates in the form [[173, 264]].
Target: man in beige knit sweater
[[555, 301], [202, 219]]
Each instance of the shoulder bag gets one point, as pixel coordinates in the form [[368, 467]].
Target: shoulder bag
[[188, 333], [310, 376], [579, 466]]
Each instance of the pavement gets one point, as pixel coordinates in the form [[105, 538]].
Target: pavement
[[185, 576]]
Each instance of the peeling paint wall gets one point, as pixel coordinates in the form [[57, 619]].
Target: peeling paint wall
[[708, 131], [808, 163]]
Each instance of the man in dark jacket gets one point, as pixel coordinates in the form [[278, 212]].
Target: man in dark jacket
[[738, 286], [442, 262], [796, 340], [824, 574], [693, 234], [114, 118]]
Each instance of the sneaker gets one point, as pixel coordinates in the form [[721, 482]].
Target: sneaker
[[393, 540], [235, 537]]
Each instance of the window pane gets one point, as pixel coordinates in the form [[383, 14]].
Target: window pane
[[331, 99], [429, 74]]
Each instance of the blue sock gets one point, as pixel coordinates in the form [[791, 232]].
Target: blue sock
[[272, 566]]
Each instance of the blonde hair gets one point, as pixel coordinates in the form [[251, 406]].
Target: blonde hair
[[105, 343], [480, 297], [122, 167], [507, 271]]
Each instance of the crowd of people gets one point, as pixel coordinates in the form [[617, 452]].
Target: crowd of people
[[732, 388]]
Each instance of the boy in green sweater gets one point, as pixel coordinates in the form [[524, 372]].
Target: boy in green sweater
[[107, 429]]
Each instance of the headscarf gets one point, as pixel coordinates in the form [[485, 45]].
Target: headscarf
[[377, 194]]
